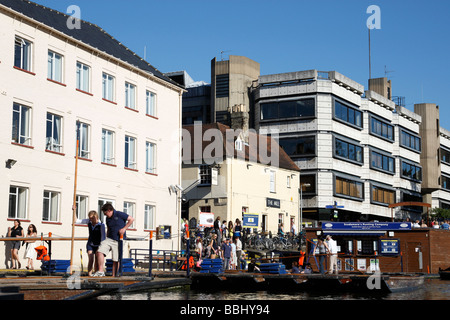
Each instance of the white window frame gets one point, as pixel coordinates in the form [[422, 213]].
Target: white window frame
[[272, 182], [83, 77], [150, 103], [20, 198], [82, 203], [149, 217], [54, 143], [130, 152], [22, 123], [84, 146], [130, 95], [130, 209], [52, 214], [25, 53], [108, 87], [55, 66], [150, 152], [205, 174], [108, 150]]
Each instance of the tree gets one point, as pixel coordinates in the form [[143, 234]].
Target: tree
[[440, 213]]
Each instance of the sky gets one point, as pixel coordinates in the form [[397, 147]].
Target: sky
[[410, 45]]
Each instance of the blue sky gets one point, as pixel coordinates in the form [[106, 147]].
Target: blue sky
[[289, 35]]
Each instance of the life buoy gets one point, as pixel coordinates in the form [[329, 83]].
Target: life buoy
[[42, 253]]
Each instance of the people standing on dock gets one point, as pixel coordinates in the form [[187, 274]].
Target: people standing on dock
[[322, 246], [217, 226], [233, 259], [230, 229], [332, 247], [117, 222], [226, 249], [237, 232], [16, 231], [214, 247], [30, 253], [238, 251]]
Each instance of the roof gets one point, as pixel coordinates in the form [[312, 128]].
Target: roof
[[250, 154], [89, 33]]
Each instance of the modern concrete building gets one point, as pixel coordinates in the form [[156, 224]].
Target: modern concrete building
[[357, 150], [230, 84], [435, 157], [236, 173], [57, 81]]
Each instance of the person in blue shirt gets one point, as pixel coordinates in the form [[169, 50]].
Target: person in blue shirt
[[117, 222], [226, 249], [96, 236]]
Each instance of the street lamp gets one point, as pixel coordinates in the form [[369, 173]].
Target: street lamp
[[302, 185]]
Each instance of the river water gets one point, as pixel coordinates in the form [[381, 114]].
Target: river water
[[433, 289]]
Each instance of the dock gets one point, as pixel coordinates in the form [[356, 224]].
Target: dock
[[25, 285]]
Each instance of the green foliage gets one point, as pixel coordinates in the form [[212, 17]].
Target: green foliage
[[440, 213]]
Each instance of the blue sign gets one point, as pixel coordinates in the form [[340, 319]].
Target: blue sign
[[389, 246], [250, 220], [366, 226]]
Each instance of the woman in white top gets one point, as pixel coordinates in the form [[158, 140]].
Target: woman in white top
[[30, 253]]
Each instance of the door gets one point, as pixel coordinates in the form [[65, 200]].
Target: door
[[413, 261]]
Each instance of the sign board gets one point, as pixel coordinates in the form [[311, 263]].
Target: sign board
[[366, 226], [250, 220], [389, 246], [206, 219], [273, 203]]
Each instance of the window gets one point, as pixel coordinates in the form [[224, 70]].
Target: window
[[130, 152], [130, 95], [108, 87], [205, 174], [445, 155], [366, 246], [288, 109], [83, 77], [22, 54], [410, 141], [347, 114], [151, 157], [205, 208], [382, 162], [382, 195], [411, 171], [445, 182], [107, 146], [149, 217], [53, 133], [288, 181], [348, 188], [82, 207], [381, 129], [50, 208], [348, 151], [308, 183], [272, 186], [222, 85], [54, 67], [83, 131], [300, 146], [18, 199], [150, 104], [100, 203], [21, 124], [129, 209]]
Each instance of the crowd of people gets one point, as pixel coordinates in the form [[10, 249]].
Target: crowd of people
[[101, 240]]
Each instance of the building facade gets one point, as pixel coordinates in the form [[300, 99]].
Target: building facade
[[358, 151], [57, 83], [238, 180]]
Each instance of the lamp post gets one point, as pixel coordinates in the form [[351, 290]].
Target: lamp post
[[301, 204]]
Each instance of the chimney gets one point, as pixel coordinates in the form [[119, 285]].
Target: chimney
[[240, 119], [382, 86]]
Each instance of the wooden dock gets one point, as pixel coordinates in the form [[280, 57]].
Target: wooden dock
[[33, 286]]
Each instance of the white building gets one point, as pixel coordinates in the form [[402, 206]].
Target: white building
[[129, 114]]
